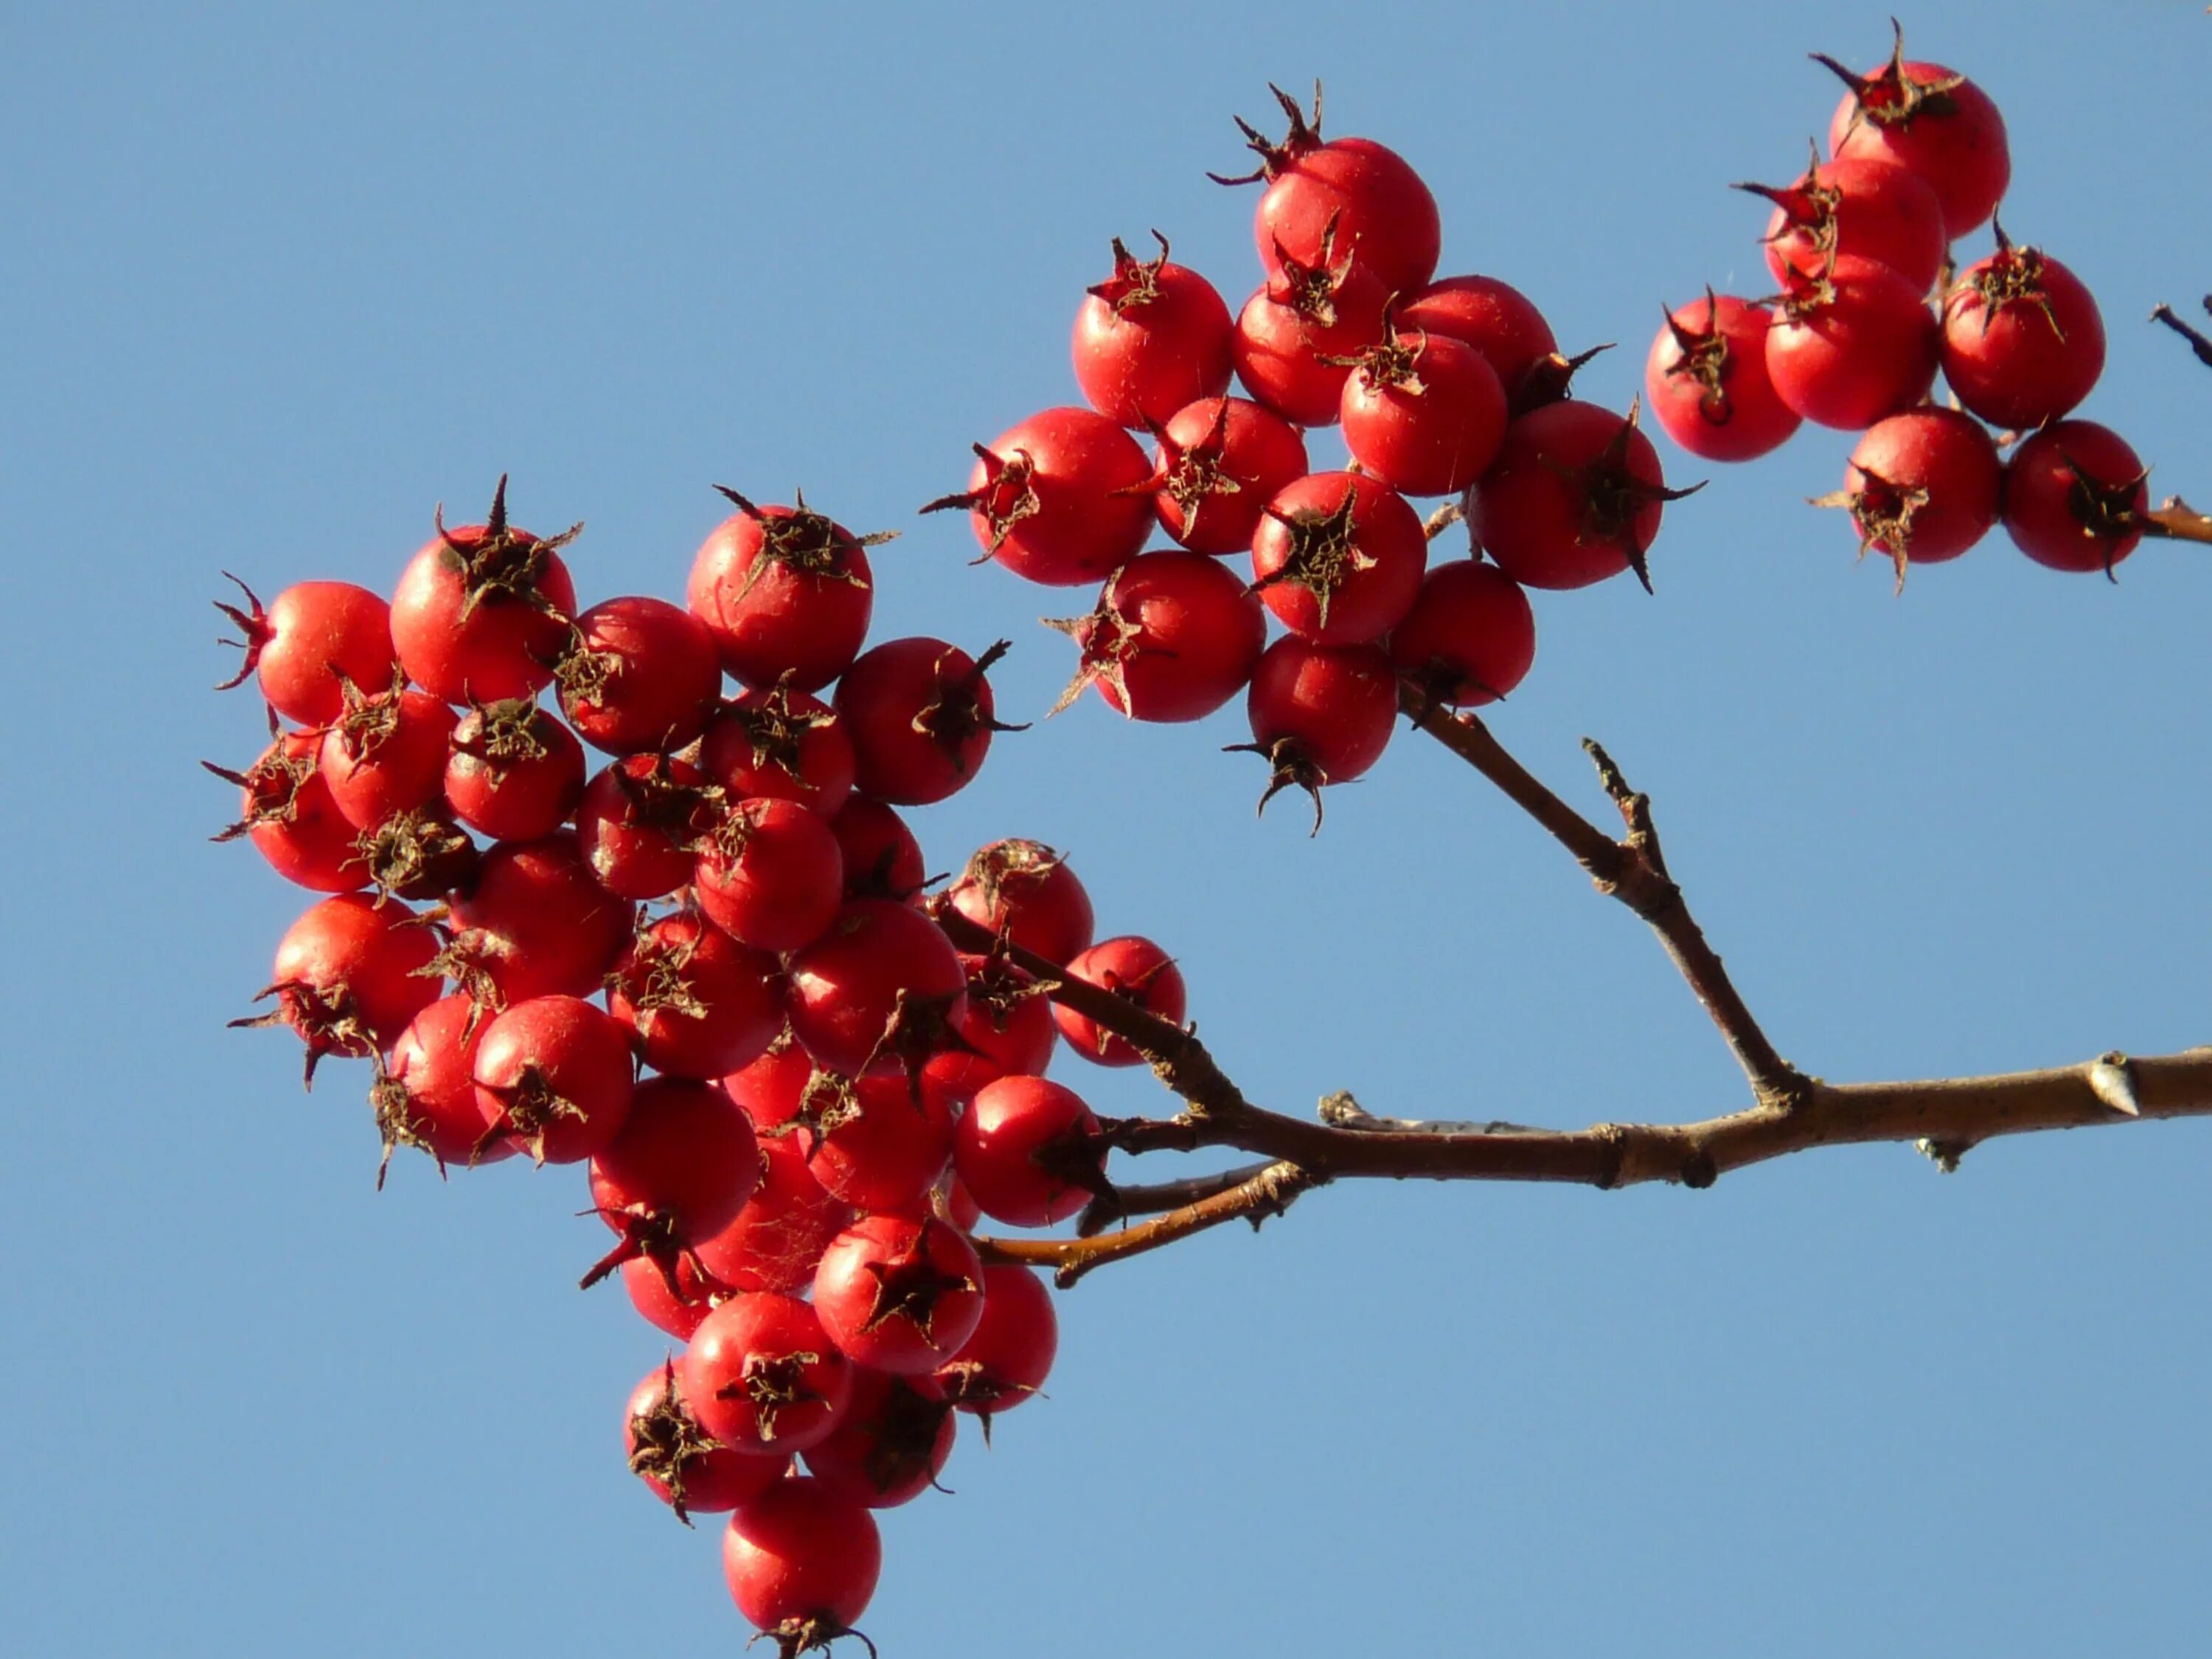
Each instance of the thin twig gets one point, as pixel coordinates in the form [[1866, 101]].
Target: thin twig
[[1268, 1193], [1156, 1198], [2197, 342], [1632, 869], [2176, 521]]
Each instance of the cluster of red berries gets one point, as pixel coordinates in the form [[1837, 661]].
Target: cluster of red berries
[[1450, 386], [796, 1096], [1917, 158]]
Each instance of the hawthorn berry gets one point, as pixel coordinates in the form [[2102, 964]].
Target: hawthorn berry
[[1574, 496], [349, 975], [481, 612], [679, 1462], [1139, 972], [2075, 496], [899, 1294], [698, 1003], [553, 1076], [641, 674], [1059, 499], [1320, 713], [802, 1562], [1470, 637], [1706, 380], [1174, 636], [785, 591], [1339, 557], [919, 714], [679, 1172], [314, 638], [1027, 891], [1028, 1152], [1220, 461], [425, 1092], [1921, 487], [1151, 338], [2022, 340], [1933, 122], [1495, 318]]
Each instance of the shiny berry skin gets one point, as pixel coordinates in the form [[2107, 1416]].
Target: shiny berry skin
[[802, 1562], [1320, 713], [427, 1096], [1932, 122], [347, 978], [1424, 413], [1139, 972], [554, 1077], [761, 1374], [533, 921], [287, 809], [1852, 346], [1574, 497], [1706, 380], [2023, 342], [679, 1172], [1010, 1353], [882, 858], [701, 1005], [879, 1142], [385, 754], [1339, 557], [1059, 498], [1471, 636], [1376, 204], [1151, 338], [895, 1441], [641, 822], [1921, 487], [1863, 208], [313, 637], [1008, 1029], [1289, 331], [482, 613], [1220, 462], [899, 1294], [1027, 891], [919, 714], [1026, 1150], [785, 591], [514, 771], [783, 742], [771, 875], [779, 1237], [677, 1461], [1495, 318], [2074, 497], [881, 980], [1174, 637], [641, 674]]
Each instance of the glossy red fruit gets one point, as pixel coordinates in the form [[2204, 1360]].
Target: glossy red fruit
[[1470, 637], [1059, 498], [1010, 1353], [882, 858], [679, 1462], [699, 1004], [1921, 487], [1932, 122], [1007, 1029], [770, 875], [761, 1374], [785, 591], [482, 613], [919, 714], [1707, 383], [1174, 636], [1291, 333], [1151, 338], [1851, 346], [288, 812], [426, 1096], [2023, 342], [1384, 214], [780, 1235], [1574, 497], [781, 742], [349, 976], [1220, 462], [1495, 318], [2075, 496], [422, 855], [313, 637], [641, 674], [1026, 890], [880, 1141], [681, 1169], [1339, 557], [1863, 208], [882, 979], [1136, 970], [514, 771], [533, 921], [1424, 412], [771, 1089], [895, 1439], [802, 1562], [678, 1310], [386, 753], [1320, 715], [899, 1294], [554, 1077], [642, 822], [1027, 1151]]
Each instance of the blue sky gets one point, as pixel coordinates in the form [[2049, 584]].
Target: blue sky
[[281, 279]]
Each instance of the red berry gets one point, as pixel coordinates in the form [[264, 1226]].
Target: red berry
[[919, 713], [514, 771], [1008, 1029], [879, 1141], [1297, 336], [684, 1467], [427, 1095], [1495, 318], [781, 742], [288, 812], [347, 976], [761, 1374], [2074, 496], [642, 822], [1707, 382], [1574, 497], [1151, 338], [1060, 498], [771, 874], [1863, 208], [1852, 342], [682, 1167], [802, 1561], [701, 1005], [1010, 1353], [1339, 557], [1320, 713], [785, 592], [898, 1294], [1174, 637], [313, 637], [1921, 487], [1134, 970], [482, 613], [1424, 413], [533, 921], [2023, 342], [1027, 1151], [641, 674], [554, 1077], [881, 979], [1470, 637], [1026, 890], [882, 858], [1220, 461], [1932, 122], [895, 1438], [386, 753], [779, 1237]]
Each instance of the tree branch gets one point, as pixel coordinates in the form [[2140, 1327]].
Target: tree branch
[[1632, 869], [2176, 521], [1269, 1192], [2197, 342]]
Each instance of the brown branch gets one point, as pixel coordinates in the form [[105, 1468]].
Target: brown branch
[[2197, 342], [1125, 1204], [1632, 869], [1269, 1192], [2176, 521]]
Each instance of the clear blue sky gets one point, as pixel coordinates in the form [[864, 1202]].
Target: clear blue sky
[[277, 280]]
